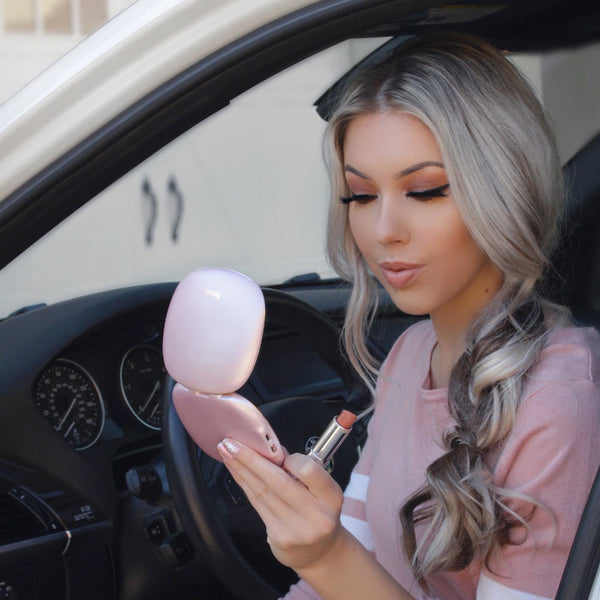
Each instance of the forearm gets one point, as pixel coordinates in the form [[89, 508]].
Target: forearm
[[349, 571]]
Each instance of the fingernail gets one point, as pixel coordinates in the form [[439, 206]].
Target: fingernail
[[230, 446]]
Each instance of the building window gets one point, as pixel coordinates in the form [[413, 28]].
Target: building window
[[67, 17], [92, 13], [19, 15], [56, 16]]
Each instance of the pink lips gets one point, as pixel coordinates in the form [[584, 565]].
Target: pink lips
[[399, 274]]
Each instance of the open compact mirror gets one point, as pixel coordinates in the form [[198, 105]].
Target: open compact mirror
[[212, 336]]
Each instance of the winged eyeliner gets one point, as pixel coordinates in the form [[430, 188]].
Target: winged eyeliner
[[423, 194]]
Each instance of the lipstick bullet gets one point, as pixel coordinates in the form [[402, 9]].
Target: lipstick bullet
[[326, 446]]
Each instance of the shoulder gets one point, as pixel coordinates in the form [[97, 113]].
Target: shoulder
[[553, 451], [571, 354], [561, 394], [568, 368]]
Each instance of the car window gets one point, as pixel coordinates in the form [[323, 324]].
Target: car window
[[245, 189], [595, 591]]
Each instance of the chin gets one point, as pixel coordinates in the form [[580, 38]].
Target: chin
[[412, 307]]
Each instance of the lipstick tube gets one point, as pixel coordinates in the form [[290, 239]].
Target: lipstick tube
[[337, 431]]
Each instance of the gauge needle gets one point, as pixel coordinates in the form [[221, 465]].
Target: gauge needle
[[156, 386], [69, 430], [154, 410], [62, 421]]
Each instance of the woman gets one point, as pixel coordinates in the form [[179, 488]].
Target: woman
[[484, 441]]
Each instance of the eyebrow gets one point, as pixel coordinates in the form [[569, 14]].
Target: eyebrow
[[403, 173]]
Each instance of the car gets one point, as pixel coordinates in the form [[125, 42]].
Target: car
[[179, 135]]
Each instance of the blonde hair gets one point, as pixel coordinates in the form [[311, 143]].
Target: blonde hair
[[506, 179]]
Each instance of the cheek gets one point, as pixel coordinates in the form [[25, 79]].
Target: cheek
[[447, 233], [463, 246], [359, 228], [461, 259], [451, 246]]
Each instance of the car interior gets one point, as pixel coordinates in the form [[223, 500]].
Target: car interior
[[103, 495]]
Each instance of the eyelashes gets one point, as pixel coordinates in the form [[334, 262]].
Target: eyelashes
[[441, 190], [360, 198], [437, 192]]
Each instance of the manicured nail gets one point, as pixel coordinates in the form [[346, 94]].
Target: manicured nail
[[230, 446]]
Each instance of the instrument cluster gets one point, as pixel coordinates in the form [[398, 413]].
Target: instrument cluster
[[70, 398]]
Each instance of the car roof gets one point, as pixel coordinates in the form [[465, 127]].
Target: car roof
[[161, 66]]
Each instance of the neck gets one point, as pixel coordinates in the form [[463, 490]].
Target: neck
[[450, 324], [450, 345]]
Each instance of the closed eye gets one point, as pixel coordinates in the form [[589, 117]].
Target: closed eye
[[441, 191], [360, 198]]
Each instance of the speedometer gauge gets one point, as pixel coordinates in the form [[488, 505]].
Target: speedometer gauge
[[142, 373], [70, 401]]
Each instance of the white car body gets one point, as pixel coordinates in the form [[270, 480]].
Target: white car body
[[135, 52]]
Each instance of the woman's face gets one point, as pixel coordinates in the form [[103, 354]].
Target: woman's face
[[405, 222]]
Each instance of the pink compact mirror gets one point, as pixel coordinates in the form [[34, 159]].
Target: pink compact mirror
[[212, 336]]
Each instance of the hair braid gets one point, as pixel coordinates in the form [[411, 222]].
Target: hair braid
[[466, 513]]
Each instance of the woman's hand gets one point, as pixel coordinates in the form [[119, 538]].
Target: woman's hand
[[300, 503]]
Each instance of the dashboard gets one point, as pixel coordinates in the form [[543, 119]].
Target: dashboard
[[85, 509]]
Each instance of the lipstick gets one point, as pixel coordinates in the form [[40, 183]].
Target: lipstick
[[326, 446]]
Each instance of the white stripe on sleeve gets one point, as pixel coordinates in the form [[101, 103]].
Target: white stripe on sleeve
[[488, 589], [360, 530], [357, 487]]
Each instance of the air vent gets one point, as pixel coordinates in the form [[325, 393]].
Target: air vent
[[17, 521]]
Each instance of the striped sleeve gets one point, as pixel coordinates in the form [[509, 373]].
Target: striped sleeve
[[354, 509]]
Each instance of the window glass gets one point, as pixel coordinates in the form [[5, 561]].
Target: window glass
[[245, 189], [595, 592]]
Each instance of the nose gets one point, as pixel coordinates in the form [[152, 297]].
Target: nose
[[391, 225]]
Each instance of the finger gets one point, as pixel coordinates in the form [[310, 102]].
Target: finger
[[313, 476], [282, 492], [265, 484]]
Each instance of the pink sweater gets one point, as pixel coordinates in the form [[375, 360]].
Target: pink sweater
[[551, 455]]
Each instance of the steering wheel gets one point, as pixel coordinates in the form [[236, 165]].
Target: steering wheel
[[221, 524]]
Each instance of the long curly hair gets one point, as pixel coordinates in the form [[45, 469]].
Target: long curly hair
[[506, 179]]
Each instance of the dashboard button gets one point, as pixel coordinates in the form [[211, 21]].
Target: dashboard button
[[157, 530], [177, 549], [144, 483]]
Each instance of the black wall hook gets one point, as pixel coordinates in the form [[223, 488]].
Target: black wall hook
[[178, 196], [149, 194]]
